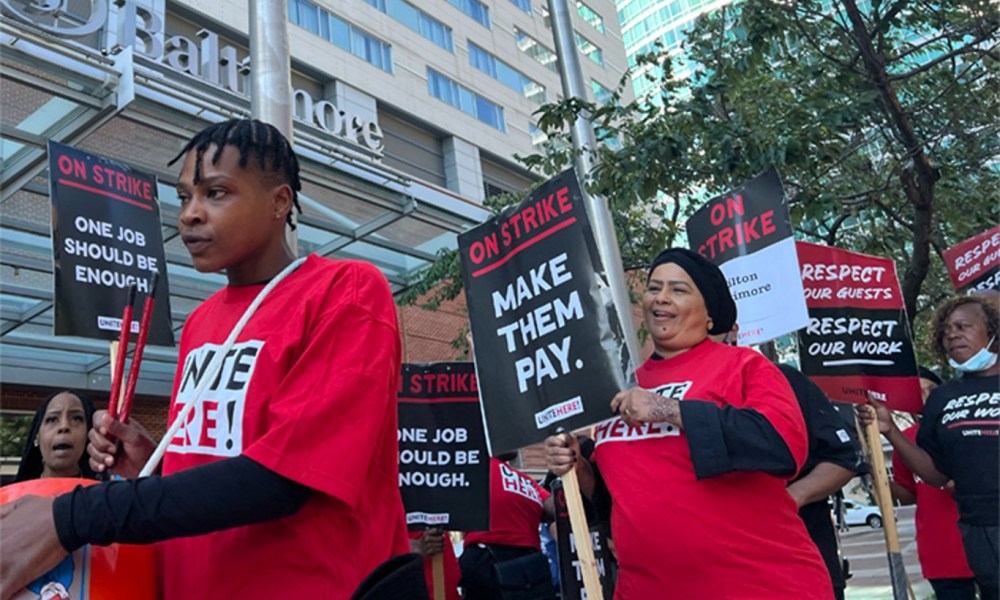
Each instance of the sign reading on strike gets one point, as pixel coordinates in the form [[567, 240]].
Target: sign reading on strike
[[748, 234], [974, 265], [549, 349], [444, 467], [857, 340], [106, 237]]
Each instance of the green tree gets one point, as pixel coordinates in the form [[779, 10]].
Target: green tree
[[882, 120]]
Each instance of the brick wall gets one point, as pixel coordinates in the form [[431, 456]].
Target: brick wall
[[149, 411]]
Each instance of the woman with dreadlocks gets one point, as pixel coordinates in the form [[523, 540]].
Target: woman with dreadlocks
[[282, 481]]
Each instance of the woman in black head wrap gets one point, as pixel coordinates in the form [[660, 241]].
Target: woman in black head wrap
[[57, 442], [696, 459]]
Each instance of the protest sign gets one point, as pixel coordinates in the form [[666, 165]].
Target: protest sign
[[857, 340], [748, 234], [974, 265], [106, 237], [549, 348], [444, 468], [570, 573]]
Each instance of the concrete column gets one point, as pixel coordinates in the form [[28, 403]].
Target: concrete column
[[463, 171]]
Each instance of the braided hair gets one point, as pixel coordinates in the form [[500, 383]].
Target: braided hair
[[252, 137]]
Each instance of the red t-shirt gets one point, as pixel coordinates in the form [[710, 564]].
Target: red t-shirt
[[452, 573], [516, 502], [308, 391], [733, 536], [939, 543]]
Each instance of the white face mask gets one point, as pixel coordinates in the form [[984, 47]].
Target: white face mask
[[980, 361]]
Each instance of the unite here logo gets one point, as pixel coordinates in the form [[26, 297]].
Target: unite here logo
[[516, 483], [215, 426], [616, 430]]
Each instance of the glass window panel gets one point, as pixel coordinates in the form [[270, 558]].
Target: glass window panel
[[340, 33], [309, 16], [588, 15], [524, 5]]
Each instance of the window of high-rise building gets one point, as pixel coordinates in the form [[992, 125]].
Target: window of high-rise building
[[589, 49], [524, 5], [340, 33], [535, 49], [447, 90], [601, 93], [474, 9], [506, 74], [538, 136], [417, 20], [587, 14], [585, 46]]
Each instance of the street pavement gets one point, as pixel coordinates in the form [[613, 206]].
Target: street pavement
[[865, 548]]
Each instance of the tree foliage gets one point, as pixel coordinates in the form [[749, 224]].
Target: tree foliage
[[882, 120]]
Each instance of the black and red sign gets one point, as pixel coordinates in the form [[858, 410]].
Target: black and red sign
[[858, 339], [748, 233], [549, 348], [106, 237], [974, 265], [444, 468]]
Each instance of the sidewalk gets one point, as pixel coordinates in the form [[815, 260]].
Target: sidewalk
[[865, 549]]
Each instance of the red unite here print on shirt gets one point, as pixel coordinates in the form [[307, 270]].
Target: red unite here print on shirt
[[512, 481]]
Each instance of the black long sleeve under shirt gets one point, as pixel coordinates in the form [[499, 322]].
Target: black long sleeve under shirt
[[723, 439], [220, 495]]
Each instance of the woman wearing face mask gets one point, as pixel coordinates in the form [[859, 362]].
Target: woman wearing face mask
[[958, 436], [57, 441]]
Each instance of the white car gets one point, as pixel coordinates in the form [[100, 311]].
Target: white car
[[861, 514]]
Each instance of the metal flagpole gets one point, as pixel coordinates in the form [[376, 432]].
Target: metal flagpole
[[584, 142], [271, 75]]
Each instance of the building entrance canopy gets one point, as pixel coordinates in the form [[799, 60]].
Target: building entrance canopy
[[141, 112]]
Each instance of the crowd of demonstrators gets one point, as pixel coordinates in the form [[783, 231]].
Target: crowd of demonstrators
[[719, 464], [518, 504], [57, 440], [304, 501], [700, 505], [957, 440], [939, 543]]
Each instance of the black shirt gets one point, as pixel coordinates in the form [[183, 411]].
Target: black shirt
[[960, 429], [831, 440]]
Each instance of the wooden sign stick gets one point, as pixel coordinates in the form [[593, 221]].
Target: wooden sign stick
[[581, 533], [437, 573], [880, 477]]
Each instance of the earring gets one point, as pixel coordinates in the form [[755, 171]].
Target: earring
[[36, 442]]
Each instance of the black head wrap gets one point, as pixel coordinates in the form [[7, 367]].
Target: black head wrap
[[31, 461], [710, 282]]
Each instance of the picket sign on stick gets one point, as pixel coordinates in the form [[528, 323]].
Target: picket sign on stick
[[437, 573], [880, 477], [581, 533]]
